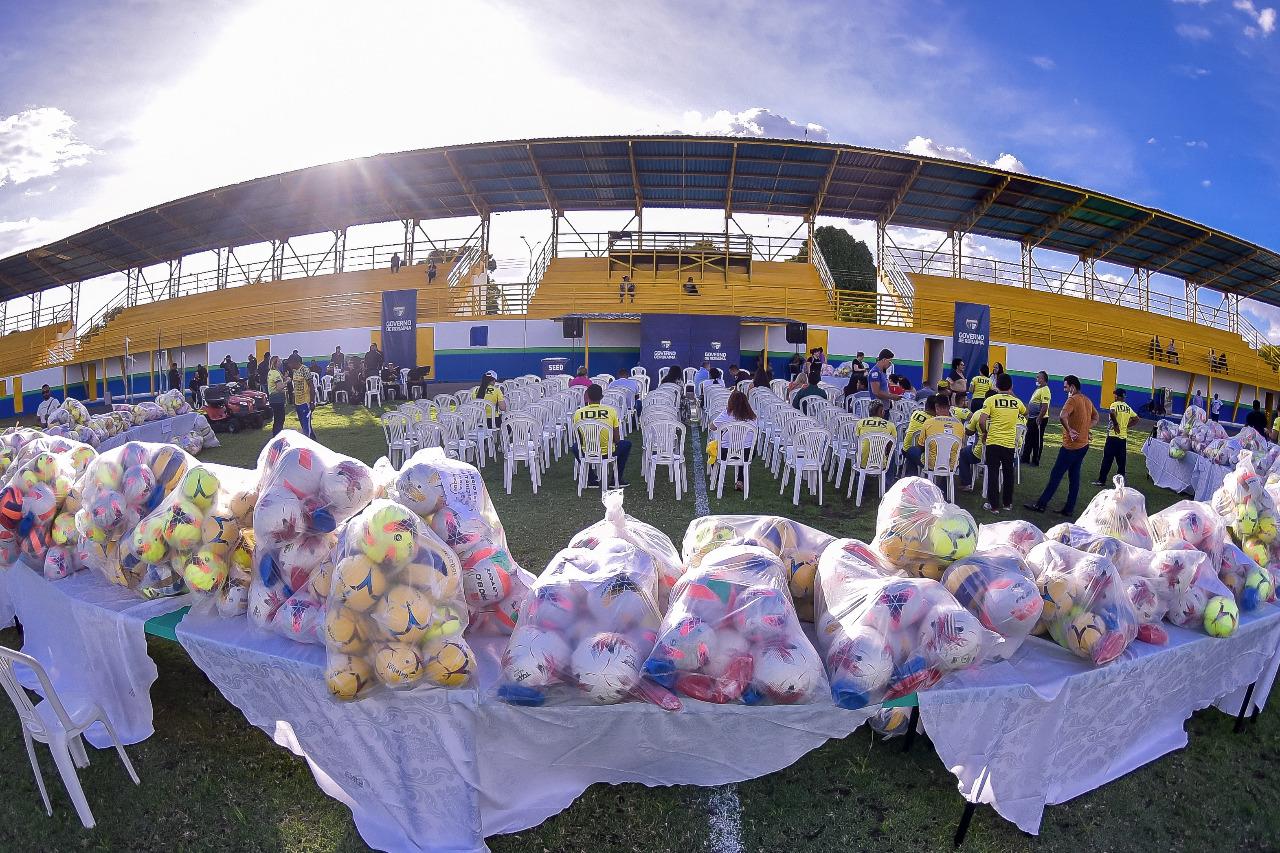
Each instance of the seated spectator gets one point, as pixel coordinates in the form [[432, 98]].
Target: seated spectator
[[626, 287], [761, 378], [810, 390], [940, 421], [580, 378], [632, 387], [611, 445], [1154, 351], [48, 404], [690, 288], [1171, 352], [1222, 363], [874, 422], [738, 410]]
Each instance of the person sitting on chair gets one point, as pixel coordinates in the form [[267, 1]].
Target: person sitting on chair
[[595, 412], [690, 288], [939, 406], [874, 422], [737, 410], [810, 390]]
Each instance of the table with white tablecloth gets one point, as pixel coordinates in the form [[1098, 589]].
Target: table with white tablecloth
[[431, 769], [162, 431], [1192, 474], [1045, 726], [88, 633], [6, 605]]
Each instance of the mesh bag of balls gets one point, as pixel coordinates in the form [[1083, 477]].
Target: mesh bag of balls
[[918, 533], [998, 587], [796, 545], [117, 489], [884, 637], [656, 545], [1022, 535], [1120, 513], [1086, 606], [732, 635], [586, 628], [11, 443], [305, 492], [451, 496], [37, 505], [1149, 590], [1249, 515], [187, 542], [394, 613]]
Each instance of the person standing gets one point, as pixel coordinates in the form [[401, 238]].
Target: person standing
[[1215, 409], [1001, 413], [337, 360], [200, 380], [175, 376], [956, 379], [275, 391], [878, 378], [1171, 351], [1117, 447], [395, 262], [230, 370], [264, 368], [1197, 400], [857, 373], [251, 372], [1077, 416], [627, 287], [373, 361], [432, 270], [979, 387], [1037, 420], [1256, 419], [303, 398]]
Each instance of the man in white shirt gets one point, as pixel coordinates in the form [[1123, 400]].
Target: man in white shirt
[[632, 387], [48, 403]]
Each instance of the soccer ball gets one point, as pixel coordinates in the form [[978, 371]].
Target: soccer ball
[[107, 510], [388, 537], [220, 533], [107, 474], [900, 604], [40, 504], [954, 537], [708, 602], [485, 581], [761, 612], [952, 639], [205, 571], [342, 631], [535, 657], [619, 604], [434, 572], [299, 471], [420, 489], [64, 529], [358, 583], [1221, 617], [398, 664], [1084, 632], [405, 612], [551, 607], [347, 487], [182, 530], [1257, 589], [138, 484], [58, 562], [168, 464], [200, 487], [606, 667], [448, 663], [278, 517], [133, 454], [786, 672], [347, 675], [688, 645], [861, 665]]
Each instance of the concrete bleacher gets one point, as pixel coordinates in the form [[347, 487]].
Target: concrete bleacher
[[771, 289], [19, 351]]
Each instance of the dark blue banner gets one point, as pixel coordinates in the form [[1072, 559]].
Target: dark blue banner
[[688, 340], [971, 337], [400, 327]]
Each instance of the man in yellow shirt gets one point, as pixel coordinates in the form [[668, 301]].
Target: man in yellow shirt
[[1117, 447], [300, 378], [940, 422], [1037, 420], [595, 412], [979, 387], [1001, 413], [914, 424], [873, 423]]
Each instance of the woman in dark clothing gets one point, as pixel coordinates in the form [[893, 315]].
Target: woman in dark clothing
[[263, 367], [175, 376], [251, 372], [200, 380]]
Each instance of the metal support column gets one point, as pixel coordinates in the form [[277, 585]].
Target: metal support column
[[340, 250], [1144, 288], [1027, 263], [171, 283], [74, 287], [880, 245], [956, 242], [1090, 276], [1193, 301], [555, 233], [406, 247]]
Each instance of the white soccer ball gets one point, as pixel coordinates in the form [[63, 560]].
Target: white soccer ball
[[278, 517], [787, 672], [606, 667], [760, 613], [619, 604], [535, 658], [952, 638]]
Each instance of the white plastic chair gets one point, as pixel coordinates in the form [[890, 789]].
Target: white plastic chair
[[737, 447], [877, 449], [60, 726], [404, 383], [476, 431], [664, 447], [395, 427], [428, 434], [638, 371], [372, 391], [326, 388], [779, 387], [591, 438], [805, 458], [844, 437], [456, 443], [521, 442], [944, 450]]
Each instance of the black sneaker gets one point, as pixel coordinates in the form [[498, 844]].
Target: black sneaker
[[1033, 507]]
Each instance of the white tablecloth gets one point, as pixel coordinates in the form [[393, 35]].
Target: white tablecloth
[[440, 770], [1192, 474], [1045, 726], [160, 432], [6, 606], [88, 634]]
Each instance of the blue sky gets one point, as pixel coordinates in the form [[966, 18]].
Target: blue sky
[[106, 107]]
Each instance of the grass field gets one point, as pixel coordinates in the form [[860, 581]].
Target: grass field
[[212, 782]]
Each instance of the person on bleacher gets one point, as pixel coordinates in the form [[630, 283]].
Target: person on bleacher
[[810, 390], [874, 422], [690, 288], [1037, 420], [979, 387], [939, 421], [626, 287], [1117, 447], [596, 412], [999, 418]]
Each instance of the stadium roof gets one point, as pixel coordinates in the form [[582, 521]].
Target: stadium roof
[[742, 175]]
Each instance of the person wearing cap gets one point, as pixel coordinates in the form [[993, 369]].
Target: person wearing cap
[[1117, 447], [878, 378], [490, 391]]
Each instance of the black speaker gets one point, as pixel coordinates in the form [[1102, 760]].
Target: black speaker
[[797, 333], [572, 327]]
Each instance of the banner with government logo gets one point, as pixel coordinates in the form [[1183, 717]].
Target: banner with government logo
[[685, 340], [972, 335], [399, 327]]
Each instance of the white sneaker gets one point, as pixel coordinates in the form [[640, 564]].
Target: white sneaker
[[989, 508]]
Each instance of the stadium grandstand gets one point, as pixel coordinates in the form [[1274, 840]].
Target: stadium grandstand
[[1102, 326]]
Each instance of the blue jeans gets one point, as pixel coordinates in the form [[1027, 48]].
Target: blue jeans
[[277, 412], [913, 455], [304, 419], [1068, 463]]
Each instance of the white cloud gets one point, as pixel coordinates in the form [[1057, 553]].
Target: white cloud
[[1196, 143], [1193, 32], [1044, 62], [1151, 140], [1206, 183], [923, 146], [756, 121], [1191, 2], [1264, 20], [1192, 71], [37, 143]]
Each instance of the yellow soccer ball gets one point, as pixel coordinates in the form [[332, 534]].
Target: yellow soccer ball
[[440, 584], [343, 631], [1221, 617], [182, 530], [358, 583], [388, 536], [205, 571], [347, 675], [1267, 528], [200, 487], [446, 621], [405, 612], [220, 533], [448, 663], [242, 556], [398, 664], [1084, 632]]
